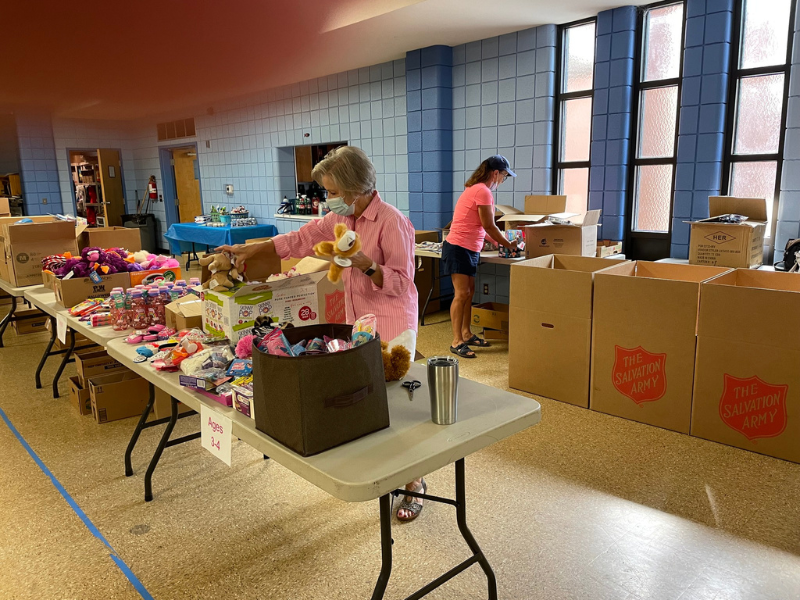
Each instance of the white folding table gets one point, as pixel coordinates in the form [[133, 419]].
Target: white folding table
[[378, 465], [14, 292]]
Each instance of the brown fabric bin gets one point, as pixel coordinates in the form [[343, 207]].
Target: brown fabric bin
[[314, 403]]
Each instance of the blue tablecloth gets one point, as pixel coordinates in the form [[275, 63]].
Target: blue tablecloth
[[182, 235]]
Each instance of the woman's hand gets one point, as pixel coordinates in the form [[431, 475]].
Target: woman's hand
[[242, 252], [361, 261], [513, 245]]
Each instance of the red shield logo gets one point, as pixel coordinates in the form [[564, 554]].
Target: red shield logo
[[334, 307], [640, 375], [753, 407]]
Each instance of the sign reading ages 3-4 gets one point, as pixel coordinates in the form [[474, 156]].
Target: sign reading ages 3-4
[[216, 434]]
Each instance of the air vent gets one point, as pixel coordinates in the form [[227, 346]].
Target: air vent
[[175, 130]]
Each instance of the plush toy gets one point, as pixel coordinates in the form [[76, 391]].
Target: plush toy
[[244, 347], [223, 274], [396, 362], [347, 244], [164, 262]]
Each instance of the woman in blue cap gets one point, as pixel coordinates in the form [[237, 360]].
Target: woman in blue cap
[[473, 222]]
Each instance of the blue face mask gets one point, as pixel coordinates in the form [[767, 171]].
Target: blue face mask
[[340, 207]]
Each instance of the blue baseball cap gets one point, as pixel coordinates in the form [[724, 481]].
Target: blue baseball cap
[[498, 162]]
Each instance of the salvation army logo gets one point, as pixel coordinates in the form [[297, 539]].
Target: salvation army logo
[[334, 307], [640, 375], [306, 314], [720, 237], [753, 407]]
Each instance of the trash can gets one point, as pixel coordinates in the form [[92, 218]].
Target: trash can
[[148, 229]]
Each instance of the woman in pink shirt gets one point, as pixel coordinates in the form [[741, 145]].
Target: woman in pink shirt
[[381, 278], [473, 221]]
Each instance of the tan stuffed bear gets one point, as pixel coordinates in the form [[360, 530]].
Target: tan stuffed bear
[[223, 274], [347, 244]]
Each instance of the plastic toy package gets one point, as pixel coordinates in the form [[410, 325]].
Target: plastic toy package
[[513, 235]]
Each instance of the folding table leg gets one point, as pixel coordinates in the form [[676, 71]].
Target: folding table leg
[[386, 547], [7, 319], [138, 431], [64, 362], [148, 476], [53, 334]]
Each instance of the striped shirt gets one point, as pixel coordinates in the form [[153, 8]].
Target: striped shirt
[[387, 237]]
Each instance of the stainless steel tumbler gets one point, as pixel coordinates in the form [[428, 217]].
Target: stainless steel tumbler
[[443, 387]]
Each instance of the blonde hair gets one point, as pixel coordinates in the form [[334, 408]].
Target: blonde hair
[[481, 175], [350, 169]]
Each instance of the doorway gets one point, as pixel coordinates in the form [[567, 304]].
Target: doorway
[[97, 185], [180, 175]]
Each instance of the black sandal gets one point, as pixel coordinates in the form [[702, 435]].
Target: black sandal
[[413, 507], [478, 342], [463, 351]]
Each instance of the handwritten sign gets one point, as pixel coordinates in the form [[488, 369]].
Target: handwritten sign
[[216, 434], [61, 328]]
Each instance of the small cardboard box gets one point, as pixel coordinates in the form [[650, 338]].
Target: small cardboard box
[[185, 313], [5, 208], [578, 238], [608, 248], [550, 342], [24, 247], [162, 406], [747, 373], [728, 244], [155, 276], [424, 277], [127, 238], [243, 402], [118, 396], [79, 339], [491, 315], [70, 292], [49, 280], [94, 363], [643, 341], [307, 299], [79, 397], [36, 324]]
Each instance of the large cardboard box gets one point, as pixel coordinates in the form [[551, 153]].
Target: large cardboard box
[[35, 322], [747, 373], [490, 315], [643, 341], [425, 277], [94, 363], [127, 238], [550, 337], [118, 396], [79, 397], [24, 247], [70, 292], [185, 313], [726, 244], [578, 237], [307, 299]]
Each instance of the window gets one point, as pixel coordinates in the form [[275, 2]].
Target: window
[[759, 88], [574, 123], [657, 123]]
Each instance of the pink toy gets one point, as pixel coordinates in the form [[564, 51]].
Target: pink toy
[[244, 348]]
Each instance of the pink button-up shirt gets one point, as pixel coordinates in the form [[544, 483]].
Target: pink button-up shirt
[[387, 237]]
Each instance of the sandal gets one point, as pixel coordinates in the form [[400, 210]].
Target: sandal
[[463, 351], [413, 507], [479, 342]]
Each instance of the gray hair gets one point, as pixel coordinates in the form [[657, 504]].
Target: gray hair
[[349, 168]]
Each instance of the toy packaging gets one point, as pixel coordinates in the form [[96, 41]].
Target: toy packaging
[[513, 235]]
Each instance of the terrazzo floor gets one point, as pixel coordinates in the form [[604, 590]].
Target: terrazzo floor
[[582, 506]]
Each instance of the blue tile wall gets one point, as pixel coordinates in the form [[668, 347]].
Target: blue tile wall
[[38, 169], [611, 117], [789, 208], [701, 132]]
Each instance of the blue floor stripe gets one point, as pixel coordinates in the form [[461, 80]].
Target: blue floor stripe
[[126, 570]]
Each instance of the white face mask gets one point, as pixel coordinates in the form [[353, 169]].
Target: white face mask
[[340, 207]]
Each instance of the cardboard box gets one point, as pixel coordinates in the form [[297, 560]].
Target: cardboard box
[[643, 341], [30, 325], [49, 280], [154, 276], [95, 363], [70, 292], [425, 277], [162, 406], [304, 300], [730, 245], [80, 339], [5, 208], [286, 265], [79, 397], [550, 341], [24, 247], [608, 248], [243, 402], [537, 209], [578, 238], [491, 315], [747, 373], [185, 313], [118, 396], [127, 238]]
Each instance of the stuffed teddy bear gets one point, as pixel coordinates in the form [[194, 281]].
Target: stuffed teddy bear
[[396, 362], [223, 274], [347, 244]]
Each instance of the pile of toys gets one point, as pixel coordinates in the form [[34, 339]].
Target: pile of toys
[[104, 262]]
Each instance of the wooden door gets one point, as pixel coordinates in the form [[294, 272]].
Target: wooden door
[[303, 163], [111, 183], [187, 186]]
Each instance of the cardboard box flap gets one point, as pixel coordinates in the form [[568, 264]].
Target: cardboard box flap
[[535, 219], [591, 217], [546, 205], [753, 208], [256, 288], [188, 306], [312, 264], [35, 232], [503, 209]]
